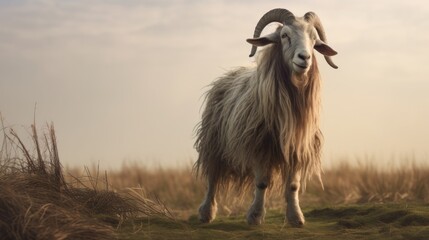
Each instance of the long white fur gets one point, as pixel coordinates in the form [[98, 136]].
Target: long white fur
[[262, 121]]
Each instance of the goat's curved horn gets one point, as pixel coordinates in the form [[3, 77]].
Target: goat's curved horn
[[275, 15], [313, 19]]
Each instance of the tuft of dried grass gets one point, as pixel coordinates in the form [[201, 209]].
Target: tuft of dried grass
[[36, 201], [30, 208]]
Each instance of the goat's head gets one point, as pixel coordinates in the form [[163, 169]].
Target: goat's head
[[297, 36]]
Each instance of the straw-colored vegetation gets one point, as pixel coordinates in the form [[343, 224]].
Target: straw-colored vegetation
[[181, 190], [41, 200], [36, 201]]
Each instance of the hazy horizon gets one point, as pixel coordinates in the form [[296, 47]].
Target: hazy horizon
[[124, 80]]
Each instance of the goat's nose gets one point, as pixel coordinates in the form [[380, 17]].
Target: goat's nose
[[304, 55]]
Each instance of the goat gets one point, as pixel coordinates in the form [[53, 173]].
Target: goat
[[265, 120]]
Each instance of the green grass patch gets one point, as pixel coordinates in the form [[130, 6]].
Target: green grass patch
[[366, 221]]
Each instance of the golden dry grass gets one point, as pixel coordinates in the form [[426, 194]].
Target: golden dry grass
[[182, 191], [39, 200], [36, 201]]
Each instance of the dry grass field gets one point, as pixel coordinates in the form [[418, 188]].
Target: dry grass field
[[41, 200]]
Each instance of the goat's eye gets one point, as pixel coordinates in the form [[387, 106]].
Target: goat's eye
[[284, 35]]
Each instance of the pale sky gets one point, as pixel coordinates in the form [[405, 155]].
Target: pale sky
[[124, 80]]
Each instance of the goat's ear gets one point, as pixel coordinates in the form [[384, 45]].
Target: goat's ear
[[324, 49], [265, 40]]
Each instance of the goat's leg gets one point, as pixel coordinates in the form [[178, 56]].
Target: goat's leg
[[293, 210], [208, 209], [256, 213]]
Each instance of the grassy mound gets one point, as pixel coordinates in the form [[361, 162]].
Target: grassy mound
[[36, 202]]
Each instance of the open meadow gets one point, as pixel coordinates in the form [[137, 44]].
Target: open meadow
[[41, 200], [160, 105]]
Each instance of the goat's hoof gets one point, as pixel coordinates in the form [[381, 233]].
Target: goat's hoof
[[207, 213], [295, 218], [296, 224], [205, 219], [255, 217], [254, 220], [296, 221]]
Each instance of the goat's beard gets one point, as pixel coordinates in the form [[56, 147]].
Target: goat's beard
[[300, 80]]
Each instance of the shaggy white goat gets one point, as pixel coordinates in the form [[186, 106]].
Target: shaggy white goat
[[265, 120]]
